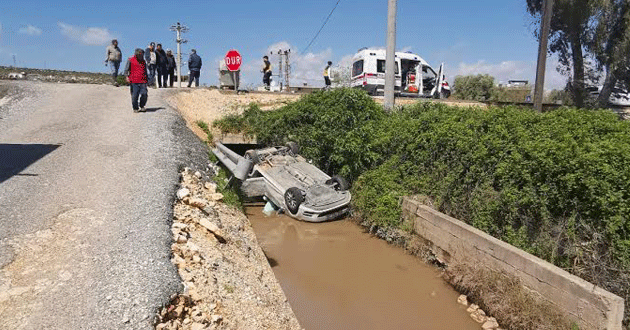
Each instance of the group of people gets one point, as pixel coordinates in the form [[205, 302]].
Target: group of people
[[141, 69], [266, 70]]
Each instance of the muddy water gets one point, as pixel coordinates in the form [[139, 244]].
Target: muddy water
[[337, 277]]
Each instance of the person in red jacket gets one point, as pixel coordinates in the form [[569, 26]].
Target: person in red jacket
[[136, 72]]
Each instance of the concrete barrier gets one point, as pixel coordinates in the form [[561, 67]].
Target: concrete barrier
[[453, 242]]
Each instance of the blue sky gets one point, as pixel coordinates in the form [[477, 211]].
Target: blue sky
[[493, 36]]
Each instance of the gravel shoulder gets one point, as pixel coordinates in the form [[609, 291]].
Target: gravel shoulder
[[228, 281]]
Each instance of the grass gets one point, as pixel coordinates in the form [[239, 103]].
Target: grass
[[505, 298], [206, 129], [230, 193]]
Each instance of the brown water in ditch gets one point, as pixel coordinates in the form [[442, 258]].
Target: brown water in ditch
[[338, 277]]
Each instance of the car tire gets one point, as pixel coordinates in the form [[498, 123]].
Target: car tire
[[253, 156], [339, 183], [293, 198], [293, 147]]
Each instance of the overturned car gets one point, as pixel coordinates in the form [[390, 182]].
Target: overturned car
[[290, 182]]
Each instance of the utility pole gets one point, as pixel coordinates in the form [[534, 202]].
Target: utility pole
[[280, 68], [284, 72], [287, 70], [179, 29], [542, 54], [390, 59]]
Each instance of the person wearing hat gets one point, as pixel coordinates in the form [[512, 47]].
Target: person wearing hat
[[151, 58], [170, 67], [113, 56], [194, 66]]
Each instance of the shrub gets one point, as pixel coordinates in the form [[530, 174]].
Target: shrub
[[474, 88], [333, 128]]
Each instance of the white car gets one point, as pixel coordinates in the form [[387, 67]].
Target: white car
[[414, 76], [619, 96], [287, 180]]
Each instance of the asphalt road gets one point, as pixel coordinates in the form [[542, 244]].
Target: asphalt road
[[86, 192]]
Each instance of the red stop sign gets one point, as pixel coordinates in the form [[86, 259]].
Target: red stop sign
[[233, 60]]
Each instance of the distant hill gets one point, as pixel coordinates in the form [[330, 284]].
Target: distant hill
[[58, 75]]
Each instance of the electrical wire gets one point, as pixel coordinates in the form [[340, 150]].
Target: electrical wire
[[321, 28]]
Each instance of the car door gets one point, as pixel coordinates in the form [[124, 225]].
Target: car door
[[437, 93]]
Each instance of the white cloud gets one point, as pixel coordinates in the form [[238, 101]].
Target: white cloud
[[30, 30], [90, 36], [512, 70]]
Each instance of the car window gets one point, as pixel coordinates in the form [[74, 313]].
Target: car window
[[380, 66], [357, 68], [427, 72]]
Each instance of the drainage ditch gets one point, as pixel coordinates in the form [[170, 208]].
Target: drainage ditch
[[335, 276]]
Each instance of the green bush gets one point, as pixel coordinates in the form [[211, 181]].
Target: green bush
[[333, 128], [474, 88]]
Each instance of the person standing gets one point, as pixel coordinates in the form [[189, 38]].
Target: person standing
[[327, 75], [137, 76], [151, 58], [194, 66], [161, 61], [113, 56], [266, 72], [170, 67]]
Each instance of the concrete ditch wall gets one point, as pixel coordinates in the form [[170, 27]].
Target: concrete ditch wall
[[453, 241]]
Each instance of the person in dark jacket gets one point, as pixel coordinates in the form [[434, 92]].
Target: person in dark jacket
[[137, 76], [194, 66], [170, 66], [151, 58], [161, 61], [266, 70]]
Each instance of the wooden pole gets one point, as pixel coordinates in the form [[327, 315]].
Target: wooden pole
[[542, 54]]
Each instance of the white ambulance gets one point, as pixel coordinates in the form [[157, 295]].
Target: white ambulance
[[414, 76]]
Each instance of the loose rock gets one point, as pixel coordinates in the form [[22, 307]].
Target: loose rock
[[182, 193], [472, 308], [214, 229], [490, 324], [462, 300], [479, 316]]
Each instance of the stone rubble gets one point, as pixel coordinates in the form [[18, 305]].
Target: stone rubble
[[228, 283], [477, 314]]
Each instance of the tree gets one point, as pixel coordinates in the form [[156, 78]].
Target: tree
[[590, 37], [611, 45], [569, 33], [474, 88]]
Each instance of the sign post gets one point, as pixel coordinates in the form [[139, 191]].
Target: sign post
[[233, 61]]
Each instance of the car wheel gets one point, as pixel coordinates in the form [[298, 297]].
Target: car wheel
[[253, 156], [293, 198], [339, 183], [295, 149]]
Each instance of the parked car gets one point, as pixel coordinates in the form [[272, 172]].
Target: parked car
[[414, 76], [289, 181], [619, 96]]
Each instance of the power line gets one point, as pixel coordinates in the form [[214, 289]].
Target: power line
[[320, 29]]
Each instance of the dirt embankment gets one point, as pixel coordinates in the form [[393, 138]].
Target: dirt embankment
[[208, 105], [228, 281]]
